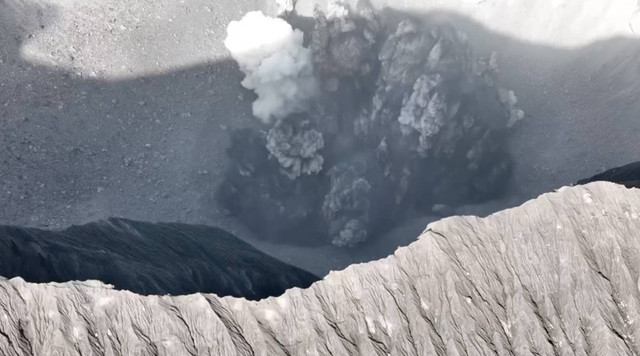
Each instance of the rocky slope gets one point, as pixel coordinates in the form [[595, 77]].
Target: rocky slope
[[148, 258], [557, 275]]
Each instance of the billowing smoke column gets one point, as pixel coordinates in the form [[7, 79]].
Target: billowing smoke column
[[277, 66], [368, 124]]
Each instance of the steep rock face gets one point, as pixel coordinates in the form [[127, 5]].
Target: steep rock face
[[558, 275], [147, 258]]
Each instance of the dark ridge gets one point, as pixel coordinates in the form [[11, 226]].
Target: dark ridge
[[147, 258], [627, 175]]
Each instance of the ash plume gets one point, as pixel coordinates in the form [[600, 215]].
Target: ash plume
[[388, 118], [296, 146], [277, 67]]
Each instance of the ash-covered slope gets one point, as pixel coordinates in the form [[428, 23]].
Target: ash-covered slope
[[558, 275], [147, 258]]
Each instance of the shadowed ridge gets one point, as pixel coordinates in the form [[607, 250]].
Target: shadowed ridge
[[627, 175], [147, 258]]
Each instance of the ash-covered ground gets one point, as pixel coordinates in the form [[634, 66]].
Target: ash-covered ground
[[126, 109], [88, 133]]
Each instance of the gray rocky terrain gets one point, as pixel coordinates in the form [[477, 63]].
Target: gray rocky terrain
[[557, 275]]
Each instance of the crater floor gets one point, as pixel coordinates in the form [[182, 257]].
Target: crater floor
[[122, 109]]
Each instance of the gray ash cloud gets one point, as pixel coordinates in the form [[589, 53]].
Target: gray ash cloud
[[403, 117]]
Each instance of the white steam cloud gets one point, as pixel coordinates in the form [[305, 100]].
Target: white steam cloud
[[277, 66]]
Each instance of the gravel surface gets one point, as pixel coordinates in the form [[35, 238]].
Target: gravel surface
[[88, 132]]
